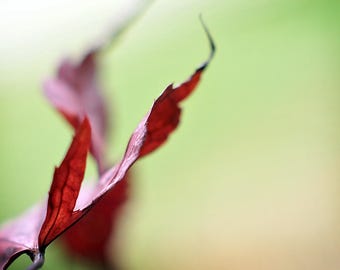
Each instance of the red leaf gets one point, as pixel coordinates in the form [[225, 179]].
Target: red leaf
[[20, 236], [75, 93], [90, 237], [165, 113], [84, 239], [17, 238], [154, 129], [35, 230], [65, 188]]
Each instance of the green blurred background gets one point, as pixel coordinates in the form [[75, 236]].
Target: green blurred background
[[249, 181]]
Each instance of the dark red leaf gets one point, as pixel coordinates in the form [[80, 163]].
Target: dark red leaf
[[151, 133], [35, 230], [165, 113], [75, 93], [90, 237], [65, 188], [154, 129], [17, 238]]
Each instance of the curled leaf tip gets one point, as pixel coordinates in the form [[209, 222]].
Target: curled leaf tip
[[211, 43]]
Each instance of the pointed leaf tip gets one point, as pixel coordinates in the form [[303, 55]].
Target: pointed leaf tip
[[211, 44], [165, 113], [65, 187]]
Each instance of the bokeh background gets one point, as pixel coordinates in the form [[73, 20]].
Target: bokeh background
[[251, 178]]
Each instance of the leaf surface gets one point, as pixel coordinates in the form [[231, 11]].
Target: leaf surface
[[90, 237], [65, 188], [75, 93], [20, 235], [67, 203], [85, 239], [35, 230]]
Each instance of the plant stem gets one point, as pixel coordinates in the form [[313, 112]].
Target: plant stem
[[38, 262]]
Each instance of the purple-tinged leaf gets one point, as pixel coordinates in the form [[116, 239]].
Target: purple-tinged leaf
[[75, 93]]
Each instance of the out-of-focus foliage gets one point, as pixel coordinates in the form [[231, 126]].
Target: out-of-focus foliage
[[256, 185]]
